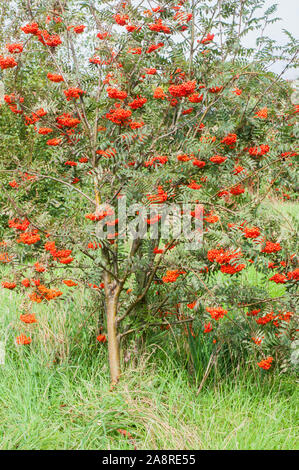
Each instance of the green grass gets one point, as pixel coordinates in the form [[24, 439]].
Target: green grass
[[54, 394], [70, 407], [286, 209], [251, 277]]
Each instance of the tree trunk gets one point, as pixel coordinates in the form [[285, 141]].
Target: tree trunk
[[113, 342], [111, 297]]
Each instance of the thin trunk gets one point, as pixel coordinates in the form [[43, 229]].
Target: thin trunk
[[111, 295], [113, 342]]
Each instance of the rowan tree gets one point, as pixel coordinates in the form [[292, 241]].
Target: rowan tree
[[157, 103]]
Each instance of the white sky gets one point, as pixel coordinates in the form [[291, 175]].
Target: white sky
[[288, 11]]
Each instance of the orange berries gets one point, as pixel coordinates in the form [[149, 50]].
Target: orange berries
[[28, 318], [137, 103], [238, 169], [230, 139], [195, 98], [271, 247], [67, 120], [199, 163], [222, 257], [252, 232], [55, 77], [45, 130], [7, 62], [160, 197], [216, 312], [232, 269], [259, 151], [257, 341], [279, 278], [39, 268], [154, 47], [153, 161], [237, 91], [171, 276], [208, 327], [93, 246], [159, 93], [236, 190], [62, 256], [184, 89], [4, 258], [159, 27], [51, 40], [294, 275], [121, 19], [253, 313], [262, 113], [210, 218], [184, 157], [9, 285], [108, 153], [209, 38], [116, 94], [29, 238], [30, 28], [15, 48], [54, 142], [44, 293], [266, 363], [101, 338], [217, 159], [215, 89], [151, 71], [22, 339], [102, 35], [69, 283], [79, 29], [194, 185], [73, 93], [119, 115]]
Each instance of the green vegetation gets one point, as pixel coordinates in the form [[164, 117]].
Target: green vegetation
[[69, 406]]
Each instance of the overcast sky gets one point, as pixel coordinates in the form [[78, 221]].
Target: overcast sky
[[288, 11]]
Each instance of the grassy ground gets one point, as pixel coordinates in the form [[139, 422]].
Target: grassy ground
[[55, 394], [70, 407]]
